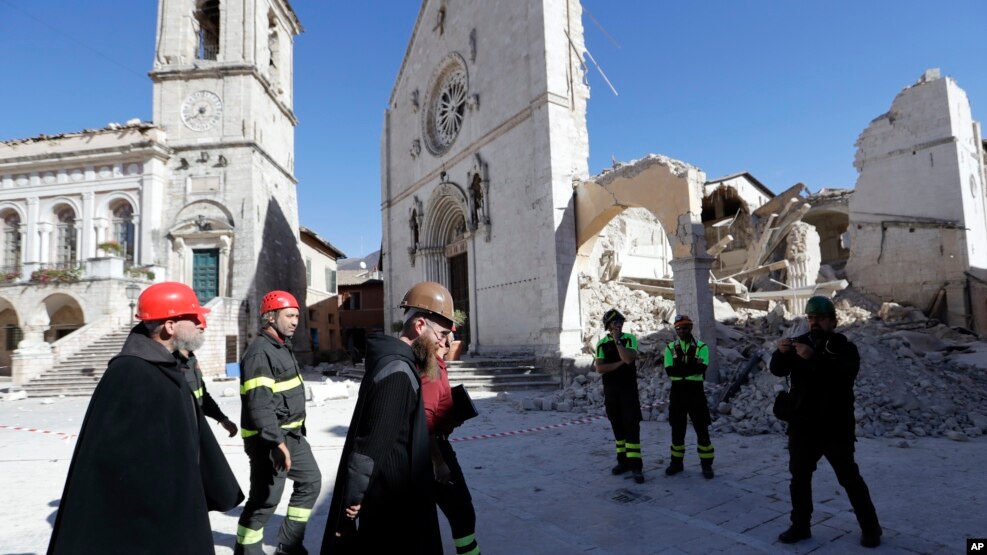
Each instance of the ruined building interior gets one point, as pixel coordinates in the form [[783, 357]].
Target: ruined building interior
[[911, 232]]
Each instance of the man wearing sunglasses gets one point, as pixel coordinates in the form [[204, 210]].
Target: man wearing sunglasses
[[146, 468], [384, 499]]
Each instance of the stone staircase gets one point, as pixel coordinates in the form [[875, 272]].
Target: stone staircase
[[499, 374], [79, 374]]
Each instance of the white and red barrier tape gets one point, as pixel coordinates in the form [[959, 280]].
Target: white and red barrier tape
[[63, 435], [494, 435], [527, 430]]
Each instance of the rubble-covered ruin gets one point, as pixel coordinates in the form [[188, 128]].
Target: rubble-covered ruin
[[922, 362]]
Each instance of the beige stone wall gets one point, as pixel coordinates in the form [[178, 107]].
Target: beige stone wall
[[917, 216]]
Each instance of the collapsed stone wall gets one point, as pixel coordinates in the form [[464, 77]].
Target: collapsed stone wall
[[917, 378]]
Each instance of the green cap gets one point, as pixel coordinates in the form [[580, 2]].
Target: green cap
[[820, 305]]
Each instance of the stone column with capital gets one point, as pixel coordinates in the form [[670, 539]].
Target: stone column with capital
[[225, 242], [100, 226], [44, 241], [87, 243], [694, 298]]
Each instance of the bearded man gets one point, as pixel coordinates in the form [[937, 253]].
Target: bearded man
[[146, 468], [383, 500]]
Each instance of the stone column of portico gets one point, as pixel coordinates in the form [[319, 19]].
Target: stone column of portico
[[30, 235], [44, 241], [87, 248], [100, 225], [138, 242], [694, 298], [225, 242]]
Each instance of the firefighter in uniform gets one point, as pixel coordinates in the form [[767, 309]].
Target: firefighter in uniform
[[616, 354], [273, 427], [685, 363], [189, 365]]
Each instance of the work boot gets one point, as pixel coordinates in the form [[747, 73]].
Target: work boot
[[285, 550], [708, 470], [675, 466], [871, 538], [620, 468], [795, 534], [638, 476]]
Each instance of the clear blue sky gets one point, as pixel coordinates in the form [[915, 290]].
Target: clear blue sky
[[777, 88]]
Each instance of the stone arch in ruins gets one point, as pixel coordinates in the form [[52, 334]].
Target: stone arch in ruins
[[672, 191]]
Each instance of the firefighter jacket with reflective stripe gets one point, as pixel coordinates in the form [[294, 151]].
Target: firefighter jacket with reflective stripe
[[193, 376], [606, 352], [272, 393], [686, 360]]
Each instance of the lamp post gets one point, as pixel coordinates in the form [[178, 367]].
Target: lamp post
[[133, 291]]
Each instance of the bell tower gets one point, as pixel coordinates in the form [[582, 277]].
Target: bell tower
[[223, 86]]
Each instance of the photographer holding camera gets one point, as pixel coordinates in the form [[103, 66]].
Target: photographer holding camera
[[823, 365]]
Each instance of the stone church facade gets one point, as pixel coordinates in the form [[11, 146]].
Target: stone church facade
[[484, 136], [204, 195]]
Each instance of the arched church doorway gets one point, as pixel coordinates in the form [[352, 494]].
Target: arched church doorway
[[446, 242]]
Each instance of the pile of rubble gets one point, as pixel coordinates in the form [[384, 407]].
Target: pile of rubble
[[917, 378]]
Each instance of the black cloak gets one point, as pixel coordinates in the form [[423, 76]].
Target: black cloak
[[146, 468], [386, 465]]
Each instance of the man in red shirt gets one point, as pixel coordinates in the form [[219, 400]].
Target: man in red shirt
[[451, 493]]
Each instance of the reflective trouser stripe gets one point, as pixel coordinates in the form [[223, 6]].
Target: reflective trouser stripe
[[197, 393], [289, 426], [464, 541], [463, 545], [705, 451], [678, 451], [620, 446], [278, 387], [633, 450], [693, 378], [246, 536], [255, 383], [299, 514]]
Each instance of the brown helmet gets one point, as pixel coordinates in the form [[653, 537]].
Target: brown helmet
[[430, 297]]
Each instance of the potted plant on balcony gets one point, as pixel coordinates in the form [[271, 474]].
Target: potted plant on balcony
[[457, 347], [54, 275], [9, 276], [110, 248], [141, 272]]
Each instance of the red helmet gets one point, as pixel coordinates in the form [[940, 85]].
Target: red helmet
[[168, 299], [276, 300]]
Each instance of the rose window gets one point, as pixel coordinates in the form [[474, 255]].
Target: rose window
[[446, 109]]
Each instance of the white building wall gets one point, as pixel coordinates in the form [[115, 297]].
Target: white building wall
[[529, 130]]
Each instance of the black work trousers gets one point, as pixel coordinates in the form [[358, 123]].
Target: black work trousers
[[456, 502], [804, 453], [266, 488], [624, 411], [687, 401]]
